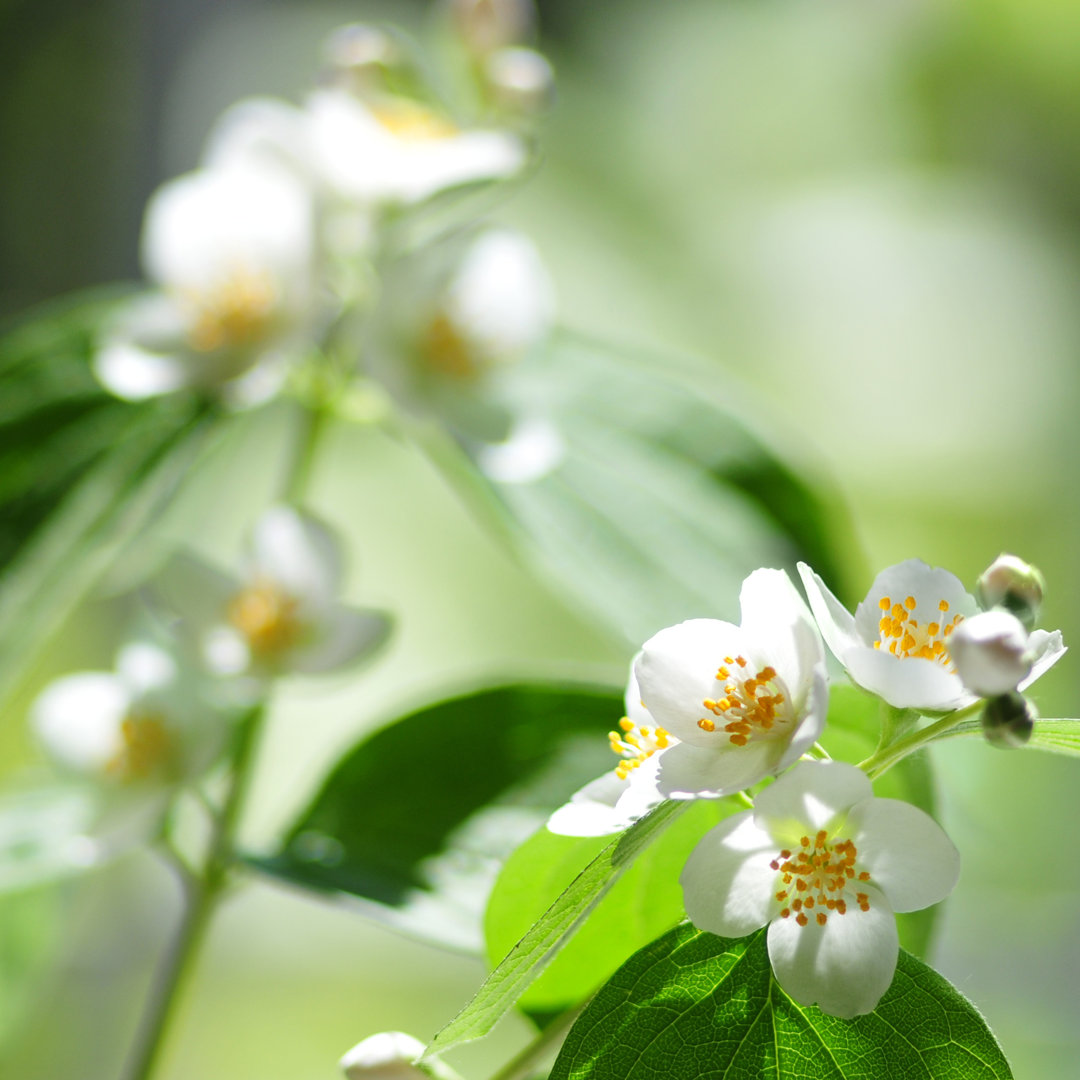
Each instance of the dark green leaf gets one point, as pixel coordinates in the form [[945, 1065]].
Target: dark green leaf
[[505, 985], [644, 902], [419, 817], [692, 1005]]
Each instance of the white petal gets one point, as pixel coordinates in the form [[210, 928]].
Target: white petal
[[256, 131], [342, 636], [728, 884], [635, 708], [144, 667], [775, 617], [1047, 649], [298, 553], [688, 771], [591, 811], [134, 373], [991, 652], [78, 718], [386, 1056], [907, 853], [911, 683], [196, 592], [815, 709], [929, 585], [810, 797], [642, 792], [836, 623], [843, 967], [226, 651], [532, 450], [676, 672]]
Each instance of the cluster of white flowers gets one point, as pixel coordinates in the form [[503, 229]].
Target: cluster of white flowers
[[291, 241], [714, 709]]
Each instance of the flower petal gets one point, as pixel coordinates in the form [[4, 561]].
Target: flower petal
[[343, 636], [688, 771], [635, 707], [815, 709], [1047, 649], [836, 623], [134, 373], [907, 853], [676, 671], [911, 683], [843, 967], [728, 884], [144, 667], [78, 718], [811, 795], [777, 620], [196, 592], [298, 553], [591, 810]]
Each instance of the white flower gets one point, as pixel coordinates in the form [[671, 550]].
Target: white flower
[[825, 864], [620, 797], [391, 1055], [743, 701], [399, 151], [283, 614], [991, 652], [140, 725], [897, 644], [232, 249]]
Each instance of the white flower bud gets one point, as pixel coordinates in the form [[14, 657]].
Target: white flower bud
[[1015, 585], [991, 652], [360, 56], [520, 79], [391, 1055], [486, 25], [1008, 721]]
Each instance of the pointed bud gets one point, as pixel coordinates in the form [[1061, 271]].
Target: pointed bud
[[1008, 721], [991, 652], [521, 80], [1015, 585]]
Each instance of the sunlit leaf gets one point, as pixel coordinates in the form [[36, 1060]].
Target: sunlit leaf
[[1059, 736], [693, 1006]]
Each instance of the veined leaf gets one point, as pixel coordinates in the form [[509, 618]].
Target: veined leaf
[[692, 1006], [1059, 736], [418, 827]]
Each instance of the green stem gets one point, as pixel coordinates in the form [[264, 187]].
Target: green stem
[[887, 755], [200, 896], [312, 424], [527, 1062]]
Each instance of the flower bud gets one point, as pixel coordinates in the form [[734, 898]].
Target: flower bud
[[359, 57], [486, 25], [521, 80], [1008, 720], [991, 652], [1015, 585], [391, 1055]]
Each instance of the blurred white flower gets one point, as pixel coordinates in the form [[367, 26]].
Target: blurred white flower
[[391, 1055], [825, 865], [283, 614], [143, 724], [744, 702], [232, 248], [898, 643]]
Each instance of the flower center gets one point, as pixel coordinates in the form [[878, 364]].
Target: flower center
[[751, 702], [446, 350], [412, 121], [145, 746], [817, 877], [636, 743], [905, 637], [266, 616], [236, 312]]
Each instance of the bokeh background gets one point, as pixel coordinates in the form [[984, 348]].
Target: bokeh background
[[866, 215]]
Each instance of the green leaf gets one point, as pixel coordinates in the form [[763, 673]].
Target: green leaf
[[645, 901], [1060, 736], [418, 817], [851, 735], [505, 985], [692, 1005], [664, 500]]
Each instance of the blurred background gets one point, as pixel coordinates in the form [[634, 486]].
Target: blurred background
[[865, 216]]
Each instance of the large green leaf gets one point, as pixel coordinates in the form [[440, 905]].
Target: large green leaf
[[1059, 736], [527, 959], [418, 817], [851, 735], [645, 901], [664, 500], [692, 1005]]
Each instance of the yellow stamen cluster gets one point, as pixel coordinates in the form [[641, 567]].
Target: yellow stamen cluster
[[412, 121], [236, 312], [267, 617], [749, 705], [446, 350], [817, 877], [905, 637], [146, 745], [636, 743]]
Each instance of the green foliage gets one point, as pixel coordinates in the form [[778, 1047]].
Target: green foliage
[[665, 499], [418, 817], [645, 901], [692, 1005], [1060, 736], [505, 985]]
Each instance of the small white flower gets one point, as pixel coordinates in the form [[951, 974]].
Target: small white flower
[[140, 725], [898, 643], [232, 250], [743, 701], [825, 865], [283, 613], [620, 797], [399, 151], [991, 652], [391, 1055]]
